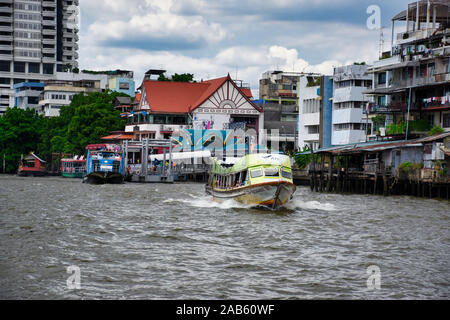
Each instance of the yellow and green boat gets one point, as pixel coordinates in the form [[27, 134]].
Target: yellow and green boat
[[255, 179]]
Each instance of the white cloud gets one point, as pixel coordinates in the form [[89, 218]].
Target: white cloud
[[142, 22]]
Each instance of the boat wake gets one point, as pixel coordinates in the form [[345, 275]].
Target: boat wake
[[298, 203], [210, 202]]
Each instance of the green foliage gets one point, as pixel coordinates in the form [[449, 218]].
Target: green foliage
[[396, 128], [85, 121], [313, 83], [419, 125], [435, 130], [406, 166], [379, 121], [359, 63], [162, 77], [184, 77], [19, 134], [302, 160]]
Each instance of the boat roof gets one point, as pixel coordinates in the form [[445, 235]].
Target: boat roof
[[32, 156], [253, 160]]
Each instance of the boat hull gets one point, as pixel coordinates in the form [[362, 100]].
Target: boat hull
[[103, 178], [72, 175], [31, 173], [272, 194]]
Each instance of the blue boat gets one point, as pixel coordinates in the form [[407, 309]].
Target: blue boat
[[104, 164]]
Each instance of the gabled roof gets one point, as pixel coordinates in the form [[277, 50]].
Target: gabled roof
[[137, 98], [123, 100], [31, 156], [184, 97]]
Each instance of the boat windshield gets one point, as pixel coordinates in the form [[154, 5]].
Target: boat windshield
[[256, 173], [107, 155], [271, 172], [286, 174]]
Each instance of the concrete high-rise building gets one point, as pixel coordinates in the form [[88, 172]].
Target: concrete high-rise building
[[37, 39], [350, 120]]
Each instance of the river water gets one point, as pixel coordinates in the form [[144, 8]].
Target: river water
[[171, 241]]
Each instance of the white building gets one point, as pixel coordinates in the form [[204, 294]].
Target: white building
[[309, 111], [166, 107], [349, 104], [38, 39], [59, 92]]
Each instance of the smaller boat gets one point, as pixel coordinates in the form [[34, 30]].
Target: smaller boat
[[73, 168], [255, 179], [31, 166], [104, 164]]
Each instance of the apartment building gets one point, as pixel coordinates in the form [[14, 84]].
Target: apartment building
[[37, 39], [60, 91], [412, 81], [349, 118], [315, 110]]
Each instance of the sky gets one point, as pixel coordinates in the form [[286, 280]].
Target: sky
[[245, 38]]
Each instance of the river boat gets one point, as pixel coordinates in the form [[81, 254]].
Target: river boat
[[104, 164], [255, 179], [73, 168], [31, 165]]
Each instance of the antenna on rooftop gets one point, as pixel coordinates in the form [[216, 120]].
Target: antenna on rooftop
[[381, 43]]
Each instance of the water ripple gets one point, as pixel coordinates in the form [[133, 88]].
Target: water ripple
[[155, 241]]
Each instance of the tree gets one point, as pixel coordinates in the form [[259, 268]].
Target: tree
[[19, 134], [87, 119], [91, 117], [184, 77]]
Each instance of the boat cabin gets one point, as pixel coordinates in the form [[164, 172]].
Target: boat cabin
[[32, 165]]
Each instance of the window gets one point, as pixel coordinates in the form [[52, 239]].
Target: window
[[48, 68], [16, 81], [271, 172], [382, 78], [19, 67], [34, 67], [313, 129], [286, 174], [5, 81], [446, 120], [5, 66], [256, 173]]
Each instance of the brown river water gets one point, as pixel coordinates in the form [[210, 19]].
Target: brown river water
[[172, 241]]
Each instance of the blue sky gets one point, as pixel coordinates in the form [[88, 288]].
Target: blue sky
[[242, 37]]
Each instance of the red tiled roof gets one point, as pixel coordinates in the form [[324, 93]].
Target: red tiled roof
[[137, 98], [247, 92], [183, 97]]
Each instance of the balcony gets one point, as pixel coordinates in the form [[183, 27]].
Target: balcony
[[6, 28], [410, 36], [393, 107], [6, 47], [6, 9], [6, 19], [49, 3], [48, 31]]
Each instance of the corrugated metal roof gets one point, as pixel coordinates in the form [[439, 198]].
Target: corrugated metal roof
[[379, 146]]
